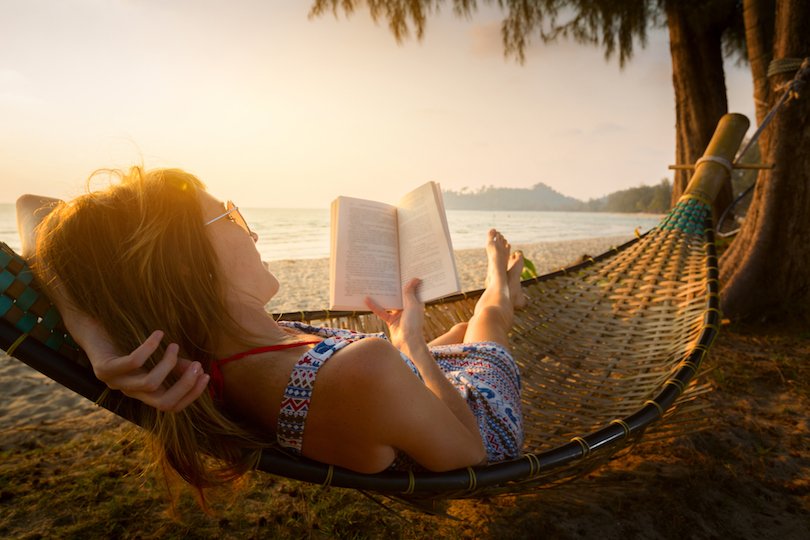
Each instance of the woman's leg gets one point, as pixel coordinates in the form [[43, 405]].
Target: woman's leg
[[452, 336], [493, 314], [458, 330], [514, 272]]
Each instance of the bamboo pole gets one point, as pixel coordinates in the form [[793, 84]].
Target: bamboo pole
[[710, 175]]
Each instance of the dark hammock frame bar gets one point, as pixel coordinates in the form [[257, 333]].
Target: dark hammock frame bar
[[29, 321]]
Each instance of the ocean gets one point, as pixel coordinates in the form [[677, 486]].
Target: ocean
[[286, 233]]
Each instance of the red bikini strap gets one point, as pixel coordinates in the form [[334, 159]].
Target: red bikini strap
[[216, 385]]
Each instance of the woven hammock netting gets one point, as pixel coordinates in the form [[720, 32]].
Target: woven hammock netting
[[597, 342]]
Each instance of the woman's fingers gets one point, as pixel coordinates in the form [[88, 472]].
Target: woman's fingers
[[114, 367], [379, 311], [182, 365], [410, 290], [375, 308], [188, 399], [153, 379], [183, 392], [412, 285], [127, 374]]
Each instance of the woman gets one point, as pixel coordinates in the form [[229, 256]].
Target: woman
[[156, 251]]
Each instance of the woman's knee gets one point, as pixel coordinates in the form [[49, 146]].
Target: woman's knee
[[458, 328], [454, 335], [493, 316]]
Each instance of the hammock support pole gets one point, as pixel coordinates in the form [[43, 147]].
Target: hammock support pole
[[715, 167]]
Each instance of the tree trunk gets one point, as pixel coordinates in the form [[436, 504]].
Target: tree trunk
[[766, 270], [695, 44], [758, 16]]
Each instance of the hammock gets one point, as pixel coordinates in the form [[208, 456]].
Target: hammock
[[607, 349]]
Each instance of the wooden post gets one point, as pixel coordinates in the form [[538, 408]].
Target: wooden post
[[710, 175]]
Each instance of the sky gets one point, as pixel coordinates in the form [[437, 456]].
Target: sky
[[273, 109]]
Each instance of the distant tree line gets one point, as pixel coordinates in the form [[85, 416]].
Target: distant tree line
[[540, 197], [651, 199]]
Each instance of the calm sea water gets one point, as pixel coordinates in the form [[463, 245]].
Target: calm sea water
[[304, 233]]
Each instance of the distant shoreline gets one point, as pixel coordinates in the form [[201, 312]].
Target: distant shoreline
[[561, 211], [542, 197]]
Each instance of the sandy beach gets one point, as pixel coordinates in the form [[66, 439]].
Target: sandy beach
[[305, 283], [754, 464]]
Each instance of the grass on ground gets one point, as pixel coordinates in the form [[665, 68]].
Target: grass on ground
[[747, 476]]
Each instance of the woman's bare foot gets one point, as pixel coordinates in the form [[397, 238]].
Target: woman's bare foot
[[497, 259], [494, 311], [513, 272]]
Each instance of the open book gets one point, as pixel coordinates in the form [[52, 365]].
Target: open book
[[377, 248]]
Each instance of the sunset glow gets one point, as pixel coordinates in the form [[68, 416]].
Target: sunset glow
[[273, 109]]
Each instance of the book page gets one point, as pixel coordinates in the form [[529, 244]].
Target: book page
[[365, 257], [425, 248]]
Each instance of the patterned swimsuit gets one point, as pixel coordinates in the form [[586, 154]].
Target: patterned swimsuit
[[485, 375]]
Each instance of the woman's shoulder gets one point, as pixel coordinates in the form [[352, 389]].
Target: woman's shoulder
[[365, 373], [358, 394], [368, 358], [344, 337]]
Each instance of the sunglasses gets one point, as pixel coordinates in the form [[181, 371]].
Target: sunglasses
[[232, 213]]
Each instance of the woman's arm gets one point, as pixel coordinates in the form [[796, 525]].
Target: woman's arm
[[368, 404], [406, 328], [406, 334], [120, 372]]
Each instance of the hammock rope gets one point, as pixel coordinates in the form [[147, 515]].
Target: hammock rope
[[790, 90], [608, 351]]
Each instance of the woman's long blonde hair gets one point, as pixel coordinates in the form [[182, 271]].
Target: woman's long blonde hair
[[136, 258]]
